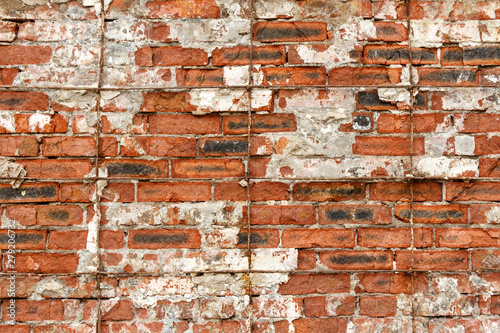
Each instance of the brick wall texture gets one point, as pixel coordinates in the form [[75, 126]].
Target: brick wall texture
[[264, 166]]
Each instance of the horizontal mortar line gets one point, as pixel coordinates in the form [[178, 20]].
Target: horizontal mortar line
[[156, 180], [250, 271], [273, 87]]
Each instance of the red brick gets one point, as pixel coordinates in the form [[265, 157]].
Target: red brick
[[204, 168], [359, 214], [200, 77], [485, 259], [31, 310], [327, 306], [390, 146], [289, 31], [136, 168], [18, 146], [25, 55], [8, 31], [433, 213], [356, 260], [56, 168], [183, 9], [45, 262], [76, 192], [23, 239], [398, 54], [173, 192], [56, 123], [232, 191], [240, 55], [422, 191], [364, 76], [259, 238], [433, 260], [378, 306], [306, 260], [483, 191], [7, 75], [64, 146], [467, 238], [422, 123], [447, 76], [307, 238], [161, 239], [229, 146], [167, 101], [282, 215], [334, 191], [18, 328], [63, 328], [59, 215], [478, 123], [486, 145], [489, 76], [267, 190], [118, 192], [481, 213], [28, 192], [119, 310], [387, 283], [289, 76], [337, 325], [67, 240], [185, 124], [111, 239], [170, 56], [23, 100], [315, 284], [280, 122]]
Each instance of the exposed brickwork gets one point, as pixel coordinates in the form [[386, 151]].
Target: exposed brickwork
[[250, 166]]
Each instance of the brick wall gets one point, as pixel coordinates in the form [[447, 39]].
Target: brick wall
[[261, 166]]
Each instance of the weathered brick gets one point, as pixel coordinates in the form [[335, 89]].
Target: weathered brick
[[289, 31]]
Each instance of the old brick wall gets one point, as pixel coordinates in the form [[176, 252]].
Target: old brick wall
[[250, 166]]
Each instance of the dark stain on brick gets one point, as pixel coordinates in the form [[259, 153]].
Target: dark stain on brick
[[255, 238], [420, 100], [22, 238], [384, 30], [425, 214], [257, 55], [337, 215], [58, 214], [9, 193], [331, 191], [13, 101], [205, 168], [236, 125], [225, 146], [454, 75], [263, 125], [482, 53], [363, 215], [274, 33], [131, 169], [370, 99], [278, 77], [152, 238], [453, 55], [423, 55], [357, 259], [312, 75], [362, 121], [369, 76]]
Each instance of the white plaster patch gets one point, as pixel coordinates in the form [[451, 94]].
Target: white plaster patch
[[394, 95], [236, 75], [38, 121], [464, 145], [7, 121], [10, 169], [493, 215], [220, 99], [446, 167], [274, 260]]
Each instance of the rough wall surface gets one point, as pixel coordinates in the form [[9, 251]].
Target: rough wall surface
[[249, 166]]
